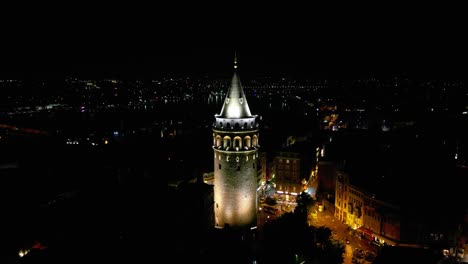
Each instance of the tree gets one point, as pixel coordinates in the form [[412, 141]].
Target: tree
[[304, 204], [270, 201], [289, 239], [323, 234]]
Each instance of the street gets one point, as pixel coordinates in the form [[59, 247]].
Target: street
[[356, 247], [341, 232]]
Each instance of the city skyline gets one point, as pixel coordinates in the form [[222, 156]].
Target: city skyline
[[100, 148]]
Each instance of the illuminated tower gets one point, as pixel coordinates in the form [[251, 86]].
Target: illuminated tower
[[235, 145]]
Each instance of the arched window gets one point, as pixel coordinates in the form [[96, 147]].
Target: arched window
[[218, 141], [236, 126], [227, 142], [237, 143], [228, 125], [245, 125], [247, 142], [254, 140]]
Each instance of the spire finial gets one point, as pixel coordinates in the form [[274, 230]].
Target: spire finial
[[235, 59]]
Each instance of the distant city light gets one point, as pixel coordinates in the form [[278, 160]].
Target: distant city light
[[23, 252]]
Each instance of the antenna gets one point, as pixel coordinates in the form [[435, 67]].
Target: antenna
[[235, 59]]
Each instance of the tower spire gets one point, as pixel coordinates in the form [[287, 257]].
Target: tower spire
[[235, 59], [235, 105]]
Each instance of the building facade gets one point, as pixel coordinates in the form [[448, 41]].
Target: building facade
[[287, 173], [376, 220], [235, 145], [341, 197], [382, 219]]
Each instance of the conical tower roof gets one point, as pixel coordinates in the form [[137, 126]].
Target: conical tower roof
[[235, 105]]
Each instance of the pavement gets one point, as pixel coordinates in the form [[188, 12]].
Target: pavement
[[341, 232]]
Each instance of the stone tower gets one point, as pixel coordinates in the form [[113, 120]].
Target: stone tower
[[235, 145]]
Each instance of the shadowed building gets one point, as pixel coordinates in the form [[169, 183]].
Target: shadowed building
[[287, 173], [235, 145]]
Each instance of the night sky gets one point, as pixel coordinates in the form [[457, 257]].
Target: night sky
[[338, 61], [353, 46]]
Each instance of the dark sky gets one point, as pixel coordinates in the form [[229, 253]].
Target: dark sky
[[343, 48], [347, 60]]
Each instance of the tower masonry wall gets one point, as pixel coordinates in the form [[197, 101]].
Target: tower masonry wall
[[235, 191]]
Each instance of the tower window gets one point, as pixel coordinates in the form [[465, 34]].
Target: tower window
[[253, 165], [227, 142], [238, 167], [219, 165], [247, 142], [238, 142]]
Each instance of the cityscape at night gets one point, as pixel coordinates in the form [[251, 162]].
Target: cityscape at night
[[312, 154]]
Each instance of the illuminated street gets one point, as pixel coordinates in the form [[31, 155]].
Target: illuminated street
[[348, 255], [340, 232]]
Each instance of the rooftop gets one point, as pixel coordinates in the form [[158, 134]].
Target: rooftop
[[235, 105]]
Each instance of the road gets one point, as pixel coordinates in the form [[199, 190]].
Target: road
[[340, 232]]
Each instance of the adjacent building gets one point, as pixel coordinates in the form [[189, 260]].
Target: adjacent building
[[287, 173], [375, 219]]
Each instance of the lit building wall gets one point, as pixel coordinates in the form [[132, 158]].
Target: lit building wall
[[235, 184], [390, 225], [382, 219], [236, 172], [371, 218], [287, 169], [354, 205], [358, 209], [341, 197]]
